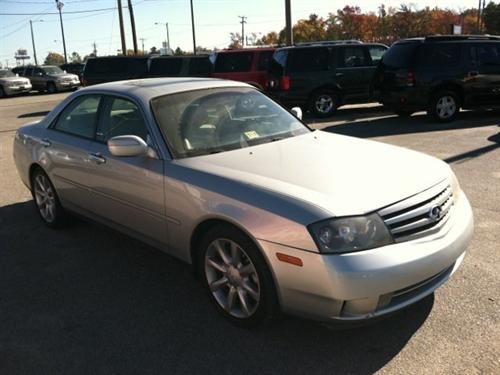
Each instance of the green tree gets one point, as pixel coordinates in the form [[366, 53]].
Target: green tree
[[179, 52], [235, 40], [54, 58], [491, 18], [75, 57]]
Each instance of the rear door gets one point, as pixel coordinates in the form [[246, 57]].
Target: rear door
[[68, 141], [308, 69], [354, 72], [483, 77], [126, 190]]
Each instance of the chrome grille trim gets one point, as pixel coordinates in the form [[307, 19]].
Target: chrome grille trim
[[410, 217]]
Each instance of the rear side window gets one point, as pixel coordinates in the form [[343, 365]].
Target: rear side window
[[117, 66], [278, 62], [376, 53], [79, 117], [166, 67], [264, 60], [233, 62], [28, 71], [439, 55], [400, 55], [485, 54], [309, 60], [199, 66], [352, 57]]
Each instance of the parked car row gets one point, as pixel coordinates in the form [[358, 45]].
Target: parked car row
[[48, 78]]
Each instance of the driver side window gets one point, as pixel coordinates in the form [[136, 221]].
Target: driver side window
[[121, 117]]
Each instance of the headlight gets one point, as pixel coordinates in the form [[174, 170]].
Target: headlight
[[455, 186], [347, 234]]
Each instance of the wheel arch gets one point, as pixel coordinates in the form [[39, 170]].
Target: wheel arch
[[449, 86], [33, 167]]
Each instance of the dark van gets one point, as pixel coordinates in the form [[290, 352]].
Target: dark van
[[114, 68], [321, 77], [179, 66], [441, 74]]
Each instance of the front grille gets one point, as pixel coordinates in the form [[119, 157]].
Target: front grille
[[420, 214]]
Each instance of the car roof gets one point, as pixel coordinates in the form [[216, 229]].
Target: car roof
[[239, 50], [332, 45], [148, 88]]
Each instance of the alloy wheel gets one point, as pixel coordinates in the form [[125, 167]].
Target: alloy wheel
[[45, 198], [446, 107], [324, 104], [232, 278]]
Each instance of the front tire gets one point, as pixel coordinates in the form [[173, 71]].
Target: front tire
[[444, 106], [2, 92], [323, 103], [236, 277], [51, 88], [46, 200]]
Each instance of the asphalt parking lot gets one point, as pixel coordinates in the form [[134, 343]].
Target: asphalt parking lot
[[89, 300]]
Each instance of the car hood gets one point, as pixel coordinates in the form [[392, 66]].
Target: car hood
[[339, 174]]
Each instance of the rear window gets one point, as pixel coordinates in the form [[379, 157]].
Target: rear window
[[116, 66], [199, 66], [264, 60], [438, 55], [309, 60], [166, 67], [400, 55], [233, 62]]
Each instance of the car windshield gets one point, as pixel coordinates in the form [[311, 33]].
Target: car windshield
[[52, 70], [6, 73], [209, 121]]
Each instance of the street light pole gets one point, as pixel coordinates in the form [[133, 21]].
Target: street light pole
[[59, 5], [33, 42], [288, 23], [168, 37]]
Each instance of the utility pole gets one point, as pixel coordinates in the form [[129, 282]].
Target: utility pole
[[192, 25], [95, 49], [33, 42], [142, 41], [243, 22], [122, 31], [132, 21], [482, 16], [288, 26], [60, 5], [168, 36]]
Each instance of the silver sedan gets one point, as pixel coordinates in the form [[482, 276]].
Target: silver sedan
[[272, 215]]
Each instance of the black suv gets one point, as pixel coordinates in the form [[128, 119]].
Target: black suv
[[114, 68], [321, 77], [440, 74], [180, 66]]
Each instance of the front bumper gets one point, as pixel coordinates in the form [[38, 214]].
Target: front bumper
[[371, 283], [20, 89], [67, 85]]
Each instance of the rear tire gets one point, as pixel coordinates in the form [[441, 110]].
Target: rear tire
[[46, 200], [444, 106], [323, 103], [236, 277], [2, 92]]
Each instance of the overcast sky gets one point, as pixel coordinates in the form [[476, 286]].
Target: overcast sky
[[214, 19]]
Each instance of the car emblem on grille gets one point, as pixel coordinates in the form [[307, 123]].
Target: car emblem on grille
[[435, 213]]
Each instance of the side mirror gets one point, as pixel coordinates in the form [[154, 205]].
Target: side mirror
[[128, 145], [297, 112]]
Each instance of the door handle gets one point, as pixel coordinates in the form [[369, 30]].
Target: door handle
[[97, 158], [45, 142]]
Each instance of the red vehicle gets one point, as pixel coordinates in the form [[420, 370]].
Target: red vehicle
[[249, 65]]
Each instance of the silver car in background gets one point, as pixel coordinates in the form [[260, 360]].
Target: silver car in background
[[272, 215], [12, 84]]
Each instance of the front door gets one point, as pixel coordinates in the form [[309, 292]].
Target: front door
[[483, 78], [126, 190]]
